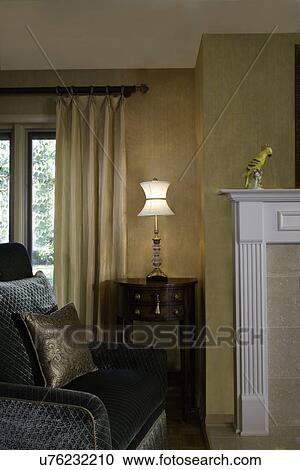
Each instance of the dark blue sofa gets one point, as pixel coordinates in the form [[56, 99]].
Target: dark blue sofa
[[119, 406]]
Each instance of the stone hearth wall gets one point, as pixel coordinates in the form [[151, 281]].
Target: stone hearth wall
[[283, 265]]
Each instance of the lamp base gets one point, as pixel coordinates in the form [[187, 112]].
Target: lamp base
[[157, 275]]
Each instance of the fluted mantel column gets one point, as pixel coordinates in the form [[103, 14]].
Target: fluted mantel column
[[259, 217]]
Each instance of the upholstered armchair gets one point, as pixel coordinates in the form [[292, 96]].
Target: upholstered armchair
[[121, 405]]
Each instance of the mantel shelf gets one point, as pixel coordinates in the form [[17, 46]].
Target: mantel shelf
[[261, 195]]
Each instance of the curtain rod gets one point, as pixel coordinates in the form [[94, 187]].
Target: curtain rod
[[126, 90]]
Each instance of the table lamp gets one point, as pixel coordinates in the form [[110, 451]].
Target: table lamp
[[155, 205]]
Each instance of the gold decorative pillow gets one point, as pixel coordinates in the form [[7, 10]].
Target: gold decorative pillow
[[59, 341]]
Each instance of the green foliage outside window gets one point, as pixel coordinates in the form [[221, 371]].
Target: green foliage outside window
[[43, 179], [4, 190]]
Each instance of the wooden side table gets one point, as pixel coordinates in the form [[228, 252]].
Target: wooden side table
[[160, 302]]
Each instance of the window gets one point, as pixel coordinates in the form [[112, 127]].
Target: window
[[5, 186], [27, 177], [40, 219]]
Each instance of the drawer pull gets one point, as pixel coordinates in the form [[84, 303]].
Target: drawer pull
[[176, 296], [176, 312], [137, 311], [137, 296], [157, 309]]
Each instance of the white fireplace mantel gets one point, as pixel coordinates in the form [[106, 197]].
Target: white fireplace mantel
[[260, 216]]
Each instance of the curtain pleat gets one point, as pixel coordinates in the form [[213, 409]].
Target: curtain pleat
[[90, 204]]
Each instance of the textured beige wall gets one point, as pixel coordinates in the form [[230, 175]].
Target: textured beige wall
[[160, 142], [198, 166], [262, 111]]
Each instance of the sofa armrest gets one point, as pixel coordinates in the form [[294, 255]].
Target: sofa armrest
[[121, 356], [47, 418]]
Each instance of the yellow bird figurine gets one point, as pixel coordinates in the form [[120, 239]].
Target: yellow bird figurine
[[255, 166]]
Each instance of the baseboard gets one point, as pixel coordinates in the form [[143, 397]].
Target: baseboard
[[221, 419]]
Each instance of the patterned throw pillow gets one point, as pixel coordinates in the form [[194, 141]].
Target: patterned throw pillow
[[34, 294], [60, 343]]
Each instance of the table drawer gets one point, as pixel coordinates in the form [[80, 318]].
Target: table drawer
[[150, 295], [147, 312]]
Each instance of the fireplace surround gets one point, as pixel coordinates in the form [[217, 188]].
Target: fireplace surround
[[260, 217]]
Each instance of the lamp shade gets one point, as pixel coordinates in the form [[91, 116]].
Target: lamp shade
[[156, 202]]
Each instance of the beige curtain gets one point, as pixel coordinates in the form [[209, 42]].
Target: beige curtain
[[90, 204]]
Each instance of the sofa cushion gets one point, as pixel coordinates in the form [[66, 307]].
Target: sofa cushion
[[59, 343], [133, 400], [26, 295]]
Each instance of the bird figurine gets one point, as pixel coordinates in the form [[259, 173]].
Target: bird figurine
[[254, 168]]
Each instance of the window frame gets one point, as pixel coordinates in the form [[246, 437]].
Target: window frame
[[32, 134], [7, 134]]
